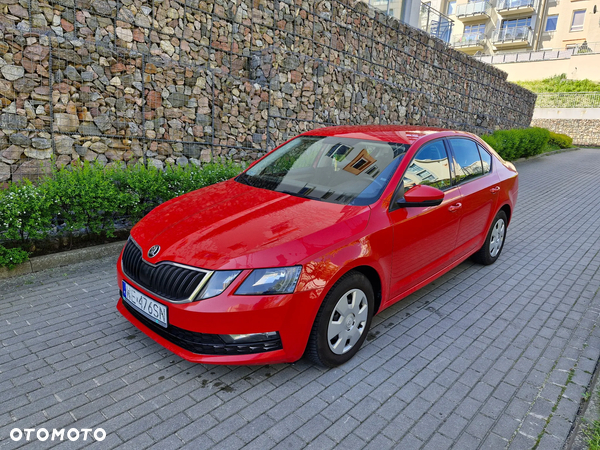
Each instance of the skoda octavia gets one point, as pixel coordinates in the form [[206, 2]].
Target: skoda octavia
[[295, 255]]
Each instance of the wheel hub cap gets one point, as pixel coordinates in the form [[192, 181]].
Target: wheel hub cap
[[348, 321]]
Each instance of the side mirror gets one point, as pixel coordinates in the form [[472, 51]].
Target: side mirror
[[421, 195]]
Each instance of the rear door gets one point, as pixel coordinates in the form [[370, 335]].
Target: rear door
[[478, 186]]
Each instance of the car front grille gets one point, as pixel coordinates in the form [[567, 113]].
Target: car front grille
[[167, 280], [202, 343]]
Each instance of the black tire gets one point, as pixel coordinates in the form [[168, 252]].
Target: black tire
[[356, 290], [489, 251]]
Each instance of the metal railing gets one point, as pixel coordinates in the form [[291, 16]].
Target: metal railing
[[568, 100], [468, 39], [435, 23], [512, 4], [474, 9], [541, 55], [513, 34]]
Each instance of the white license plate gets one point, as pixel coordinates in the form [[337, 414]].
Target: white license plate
[[151, 309]]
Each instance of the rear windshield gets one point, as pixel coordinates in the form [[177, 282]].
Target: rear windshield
[[330, 169]]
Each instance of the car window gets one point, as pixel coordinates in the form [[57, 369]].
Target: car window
[[328, 168], [486, 159], [430, 166], [467, 162]]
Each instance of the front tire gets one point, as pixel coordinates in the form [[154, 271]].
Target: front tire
[[342, 322], [494, 241]]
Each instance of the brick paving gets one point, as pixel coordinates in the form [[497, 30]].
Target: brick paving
[[485, 357]]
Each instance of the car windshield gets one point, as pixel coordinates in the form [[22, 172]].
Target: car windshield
[[330, 169]]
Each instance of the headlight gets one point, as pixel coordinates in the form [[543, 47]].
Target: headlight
[[218, 282], [279, 280]]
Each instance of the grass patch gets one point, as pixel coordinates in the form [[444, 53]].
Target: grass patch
[[560, 83]]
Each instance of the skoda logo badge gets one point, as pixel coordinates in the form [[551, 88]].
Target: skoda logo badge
[[153, 251]]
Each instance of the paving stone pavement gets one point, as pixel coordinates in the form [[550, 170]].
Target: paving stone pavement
[[485, 357]]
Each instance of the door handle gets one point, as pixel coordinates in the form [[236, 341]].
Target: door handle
[[455, 208], [495, 189]]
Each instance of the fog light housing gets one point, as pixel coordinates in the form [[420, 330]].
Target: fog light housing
[[250, 338]]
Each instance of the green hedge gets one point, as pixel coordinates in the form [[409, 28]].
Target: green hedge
[[519, 142], [562, 140], [91, 199]]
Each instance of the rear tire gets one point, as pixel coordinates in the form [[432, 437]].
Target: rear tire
[[494, 241], [343, 321]]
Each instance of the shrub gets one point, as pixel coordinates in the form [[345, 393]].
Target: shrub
[[518, 143], [562, 140], [92, 198], [86, 198], [10, 257], [25, 212]]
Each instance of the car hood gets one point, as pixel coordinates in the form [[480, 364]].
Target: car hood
[[234, 226]]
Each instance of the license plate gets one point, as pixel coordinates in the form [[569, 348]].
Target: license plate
[[153, 310]]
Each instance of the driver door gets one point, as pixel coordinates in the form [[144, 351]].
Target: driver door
[[424, 238]]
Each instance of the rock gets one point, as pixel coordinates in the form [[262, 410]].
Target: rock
[[81, 150], [156, 163], [124, 34], [178, 100], [38, 154], [36, 52], [12, 121], [102, 159], [25, 85], [66, 25], [206, 155], [4, 172], [20, 139], [103, 122], [167, 47], [40, 144], [11, 72], [182, 161], [99, 147], [102, 7], [114, 155], [6, 89], [72, 74], [19, 11], [66, 122], [32, 170], [12, 153], [64, 145], [154, 99], [88, 129], [63, 161]]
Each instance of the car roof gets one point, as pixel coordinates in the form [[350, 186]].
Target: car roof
[[403, 134]]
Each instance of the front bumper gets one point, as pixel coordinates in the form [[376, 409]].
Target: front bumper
[[193, 326]]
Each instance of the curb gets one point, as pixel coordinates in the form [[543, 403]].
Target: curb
[[39, 263]]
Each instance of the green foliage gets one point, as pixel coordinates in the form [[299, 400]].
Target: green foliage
[[518, 142], [91, 198], [560, 83], [86, 198], [10, 257], [25, 211], [561, 140]]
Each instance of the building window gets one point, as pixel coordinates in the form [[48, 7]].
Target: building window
[[451, 6], [518, 23], [551, 23], [577, 22], [475, 29]]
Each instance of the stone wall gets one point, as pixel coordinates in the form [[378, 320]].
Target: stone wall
[[583, 131], [180, 81]]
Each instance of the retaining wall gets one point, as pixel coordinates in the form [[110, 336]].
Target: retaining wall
[[180, 81], [583, 131]]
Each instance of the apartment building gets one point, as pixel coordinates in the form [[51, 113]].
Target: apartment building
[[489, 27]]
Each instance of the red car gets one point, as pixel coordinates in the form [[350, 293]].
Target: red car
[[295, 255]]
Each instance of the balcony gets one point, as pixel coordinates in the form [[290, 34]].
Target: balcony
[[513, 8], [474, 11], [469, 43], [513, 37]]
